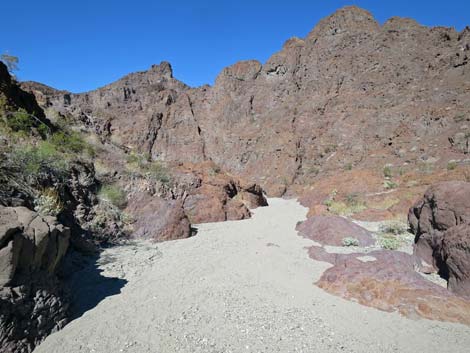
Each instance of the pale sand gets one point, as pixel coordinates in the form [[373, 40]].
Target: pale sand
[[244, 286]]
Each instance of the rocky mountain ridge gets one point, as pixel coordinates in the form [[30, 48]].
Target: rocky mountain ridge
[[353, 94], [356, 119]]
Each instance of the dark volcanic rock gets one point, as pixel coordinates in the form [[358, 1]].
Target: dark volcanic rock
[[32, 303], [441, 223], [331, 230], [351, 93]]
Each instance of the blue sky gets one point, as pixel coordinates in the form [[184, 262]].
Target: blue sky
[[82, 45]]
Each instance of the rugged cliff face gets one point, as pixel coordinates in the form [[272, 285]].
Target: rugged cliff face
[[351, 95], [357, 118]]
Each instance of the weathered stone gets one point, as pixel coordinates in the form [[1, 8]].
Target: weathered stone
[[441, 223], [158, 219], [456, 256], [31, 302], [388, 281], [352, 94], [331, 230]]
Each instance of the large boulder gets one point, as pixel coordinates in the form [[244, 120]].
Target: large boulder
[[456, 256], [158, 219], [331, 230], [387, 280], [31, 298], [441, 224], [216, 196]]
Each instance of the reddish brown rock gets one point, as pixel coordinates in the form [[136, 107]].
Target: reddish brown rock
[[216, 196], [456, 256], [386, 280], [351, 95], [331, 230], [158, 219], [441, 223]]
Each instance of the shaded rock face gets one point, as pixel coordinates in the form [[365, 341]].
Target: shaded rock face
[[351, 92], [16, 97], [331, 230], [386, 280], [214, 196], [158, 219], [31, 299], [441, 223]]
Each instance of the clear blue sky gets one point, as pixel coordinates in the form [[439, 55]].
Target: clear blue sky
[[80, 45]]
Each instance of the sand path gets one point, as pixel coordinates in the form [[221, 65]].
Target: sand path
[[244, 286]]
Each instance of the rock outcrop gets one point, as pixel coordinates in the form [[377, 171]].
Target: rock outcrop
[[158, 219], [352, 94], [332, 230], [441, 223], [214, 196], [32, 303], [387, 280]]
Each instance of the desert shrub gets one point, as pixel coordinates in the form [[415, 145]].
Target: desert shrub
[[20, 121], [348, 166], [48, 203], [350, 206], [214, 170], [389, 242], [393, 227], [387, 171], [329, 201], [313, 170], [70, 142], [459, 118], [425, 168], [142, 164], [452, 165], [345, 209], [33, 160], [158, 172], [389, 184], [330, 148], [350, 241], [114, 195], [352, 199]]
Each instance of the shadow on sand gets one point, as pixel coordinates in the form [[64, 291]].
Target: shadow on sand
[[86, 286]]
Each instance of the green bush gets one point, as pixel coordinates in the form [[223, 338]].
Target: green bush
[[20, 121], [349, 241], [213, 171], [452, 165], [387, 171], [70, 142], [389, 242], [141, 163], [114, 195], [36, 159], [389, 185], [393, 227]]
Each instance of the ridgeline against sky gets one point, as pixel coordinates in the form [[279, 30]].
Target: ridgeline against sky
[[82, 45]]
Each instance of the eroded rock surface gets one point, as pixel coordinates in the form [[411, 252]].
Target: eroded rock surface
[[441, 223], [32, 304], [387, 280], [158, 219], [332, 230], [351, 94]]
